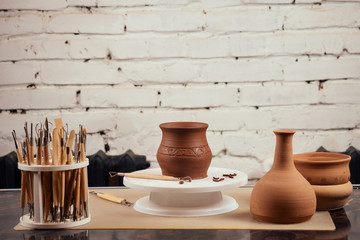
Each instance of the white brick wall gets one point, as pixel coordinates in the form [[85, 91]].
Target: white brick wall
[[122, 67]]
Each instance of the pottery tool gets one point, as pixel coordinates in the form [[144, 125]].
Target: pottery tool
[[55, 175], [76, 195], [70, 190], [112, 198], [39, 147], [46, 176], [45, 144], [30, 161], [83, 171], [18, 153], [62, 179], [69, 144], [26, 174], [31, 142], [20, 160], [26, 179], [63, 191], [147, 176]]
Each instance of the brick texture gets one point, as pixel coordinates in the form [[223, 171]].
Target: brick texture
[[245, 67]]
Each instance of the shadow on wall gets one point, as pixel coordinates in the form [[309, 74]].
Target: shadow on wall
[[99, 167]]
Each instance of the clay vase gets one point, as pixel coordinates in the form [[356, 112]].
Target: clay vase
[[184, 150], [283, 195]]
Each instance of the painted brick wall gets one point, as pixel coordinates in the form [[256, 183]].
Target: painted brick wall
[[246, 67]]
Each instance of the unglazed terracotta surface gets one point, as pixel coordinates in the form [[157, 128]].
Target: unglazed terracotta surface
[[283, 195], [323, 168], [331, 197], [184, 150]]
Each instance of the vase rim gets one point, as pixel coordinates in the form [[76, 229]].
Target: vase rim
[[321, 157], [285, 131], [183, 125]]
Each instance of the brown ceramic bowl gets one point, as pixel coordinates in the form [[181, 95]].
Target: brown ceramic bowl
[[323, 168], [331, 197]]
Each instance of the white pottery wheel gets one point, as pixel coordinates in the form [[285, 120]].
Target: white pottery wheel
[[201, 197]]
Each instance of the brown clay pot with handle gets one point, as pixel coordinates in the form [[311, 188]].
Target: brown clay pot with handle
[[184, 150], [283, 195]]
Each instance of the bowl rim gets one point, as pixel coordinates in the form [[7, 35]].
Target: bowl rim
[[304, 157], [183, 125]]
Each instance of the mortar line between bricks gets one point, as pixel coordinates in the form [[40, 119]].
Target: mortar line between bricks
[[179, 6], [160, 85], [159, 59], [129, 33], [188, 109]]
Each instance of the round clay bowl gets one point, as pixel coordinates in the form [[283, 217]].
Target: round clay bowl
[[323, 168], [331, 197]]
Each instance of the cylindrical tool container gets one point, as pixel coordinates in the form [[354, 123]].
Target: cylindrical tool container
[[59, 195]]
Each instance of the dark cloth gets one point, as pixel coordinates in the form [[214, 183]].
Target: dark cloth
[[101, 164], [99, 167], [10, 175]]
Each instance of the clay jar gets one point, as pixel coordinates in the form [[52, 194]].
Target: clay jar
[[283, 195], [323, 168], [329, 175], [184, 150]]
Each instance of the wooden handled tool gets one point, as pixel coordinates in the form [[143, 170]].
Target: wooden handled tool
[[112, 198], [144, 176]]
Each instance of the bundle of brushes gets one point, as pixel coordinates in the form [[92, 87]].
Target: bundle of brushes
[[64, 193]]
